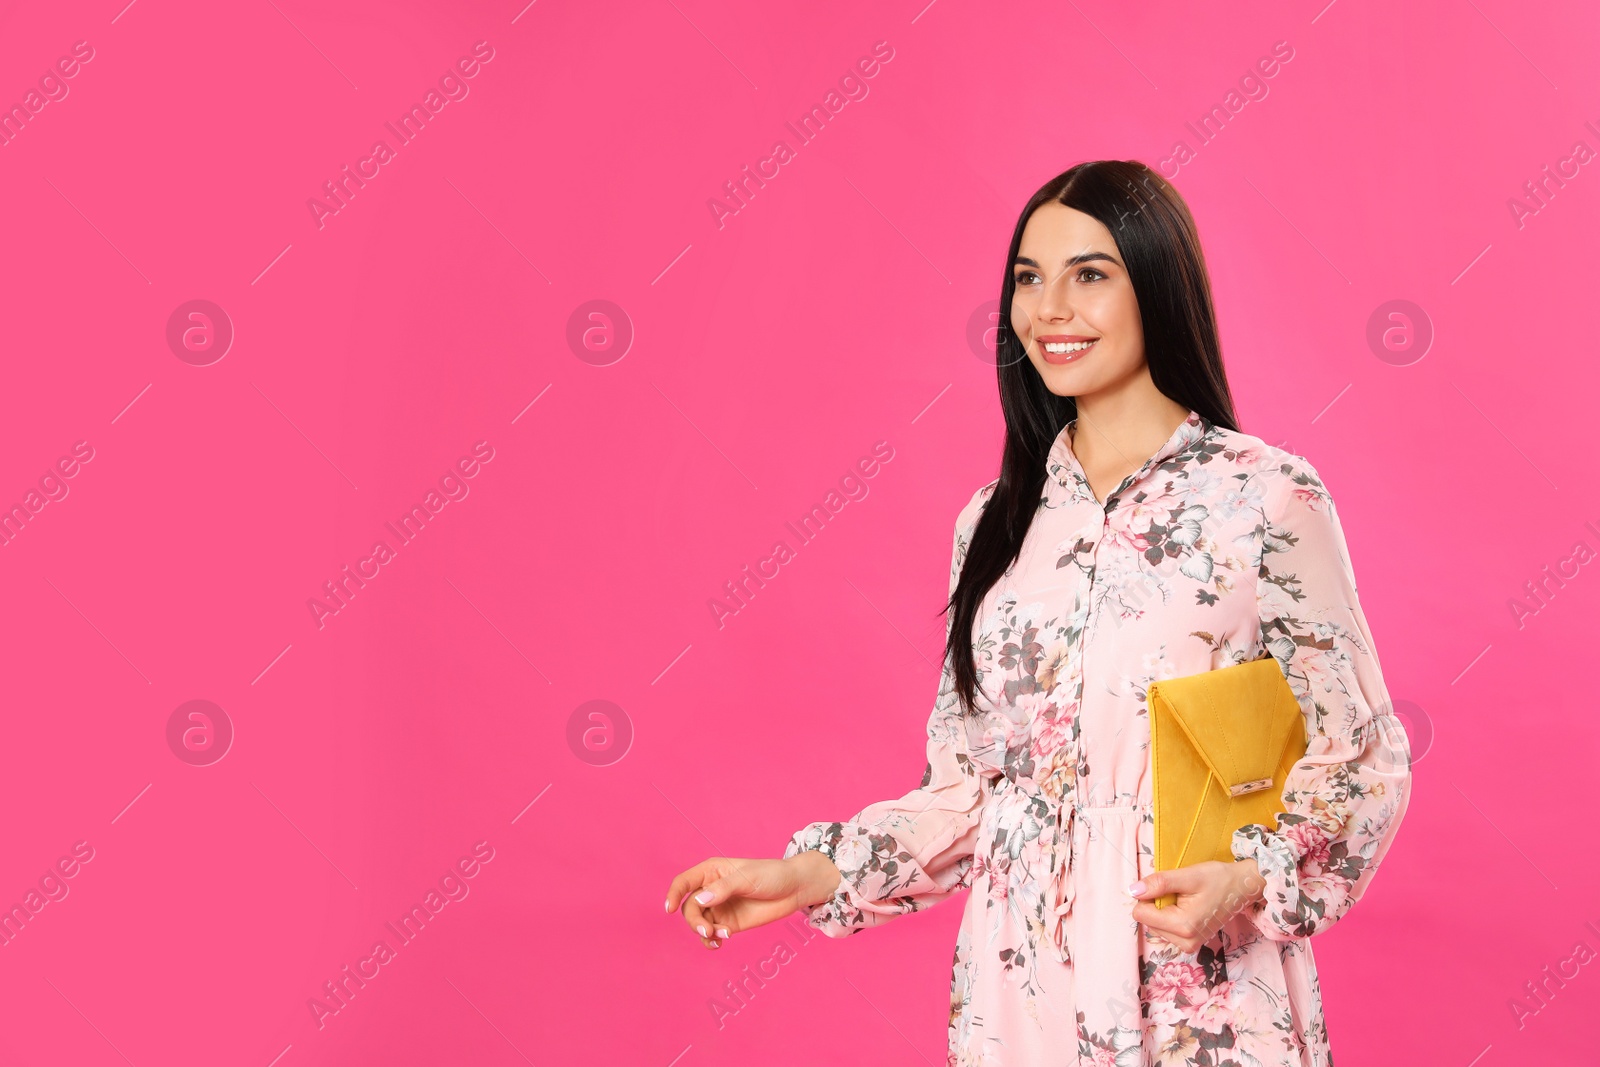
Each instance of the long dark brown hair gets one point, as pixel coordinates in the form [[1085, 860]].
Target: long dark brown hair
[[1161, 248]]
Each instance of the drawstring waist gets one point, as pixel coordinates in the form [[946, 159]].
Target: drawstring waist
[[1051, 852], [1062, 888]]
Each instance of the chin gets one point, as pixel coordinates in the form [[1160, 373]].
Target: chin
[[1064, 380]]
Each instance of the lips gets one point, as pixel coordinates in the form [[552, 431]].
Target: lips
[[1058, 339]]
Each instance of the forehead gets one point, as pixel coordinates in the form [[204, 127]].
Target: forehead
[[1054, 227]]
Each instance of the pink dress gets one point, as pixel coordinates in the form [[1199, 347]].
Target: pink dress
[[1219, 548]]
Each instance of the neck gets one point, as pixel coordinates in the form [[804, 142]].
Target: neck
[[1124, 425]]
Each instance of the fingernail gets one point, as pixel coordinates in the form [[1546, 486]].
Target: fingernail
[[716, 944], [722, 931], [704, 896], [667, 904], [1137, 887], [702, 930]]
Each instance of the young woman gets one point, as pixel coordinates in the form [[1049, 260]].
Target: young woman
[[1134, 534]]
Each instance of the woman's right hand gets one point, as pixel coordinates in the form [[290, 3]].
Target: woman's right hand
[[720, 897]]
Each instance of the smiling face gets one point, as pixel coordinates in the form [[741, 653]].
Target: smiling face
[[1074, 308]]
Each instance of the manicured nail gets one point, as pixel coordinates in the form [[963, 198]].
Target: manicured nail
[[716, 944], [722, 931], [702, 930], [704, 896], [667, 904], [1136, 888]]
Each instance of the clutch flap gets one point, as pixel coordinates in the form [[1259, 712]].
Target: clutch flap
[[1239, 719]]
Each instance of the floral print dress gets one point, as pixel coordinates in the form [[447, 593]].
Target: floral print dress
[[1220, 549]]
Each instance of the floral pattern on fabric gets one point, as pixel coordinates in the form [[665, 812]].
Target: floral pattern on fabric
[[1219, 549]]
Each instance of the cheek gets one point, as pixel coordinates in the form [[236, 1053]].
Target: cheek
[[1021, 321], [1119, 310], [1126, 359], [1121, 361]]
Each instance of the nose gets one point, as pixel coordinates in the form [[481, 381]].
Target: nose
[[1054, 305]]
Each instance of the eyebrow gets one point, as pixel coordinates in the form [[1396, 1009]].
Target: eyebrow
[[1082, 257]]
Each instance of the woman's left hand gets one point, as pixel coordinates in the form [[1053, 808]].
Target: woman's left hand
[[1209, 894]]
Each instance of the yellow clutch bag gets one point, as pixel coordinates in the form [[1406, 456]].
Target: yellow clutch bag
[[1222, 744]]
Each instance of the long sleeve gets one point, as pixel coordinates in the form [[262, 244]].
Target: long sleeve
[[905, 855], [1344, 800]]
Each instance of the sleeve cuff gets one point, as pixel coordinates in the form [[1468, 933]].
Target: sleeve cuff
[[1276, 861], [841, 914], [1282, 856], [1272, 852]]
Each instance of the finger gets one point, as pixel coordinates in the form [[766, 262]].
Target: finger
[[702, 920], [706, 919], [1156, 920], [695, 916], [708, 927], [1159, 883], [711, 923], [713, 892], [689, 881], [719, 921], [1174, 922], [1159, 936], [716, 930], [681, 886]]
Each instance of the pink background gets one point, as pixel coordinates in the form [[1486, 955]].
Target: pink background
[[434, 711]]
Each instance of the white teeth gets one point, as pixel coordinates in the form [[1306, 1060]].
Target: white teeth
[[1076, 346]]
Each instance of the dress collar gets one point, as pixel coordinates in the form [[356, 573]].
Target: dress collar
[[1064, 470]]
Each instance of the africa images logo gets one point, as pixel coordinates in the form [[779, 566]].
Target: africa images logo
[[338, 992], [852, 84], [453, 87], [342, 589]]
